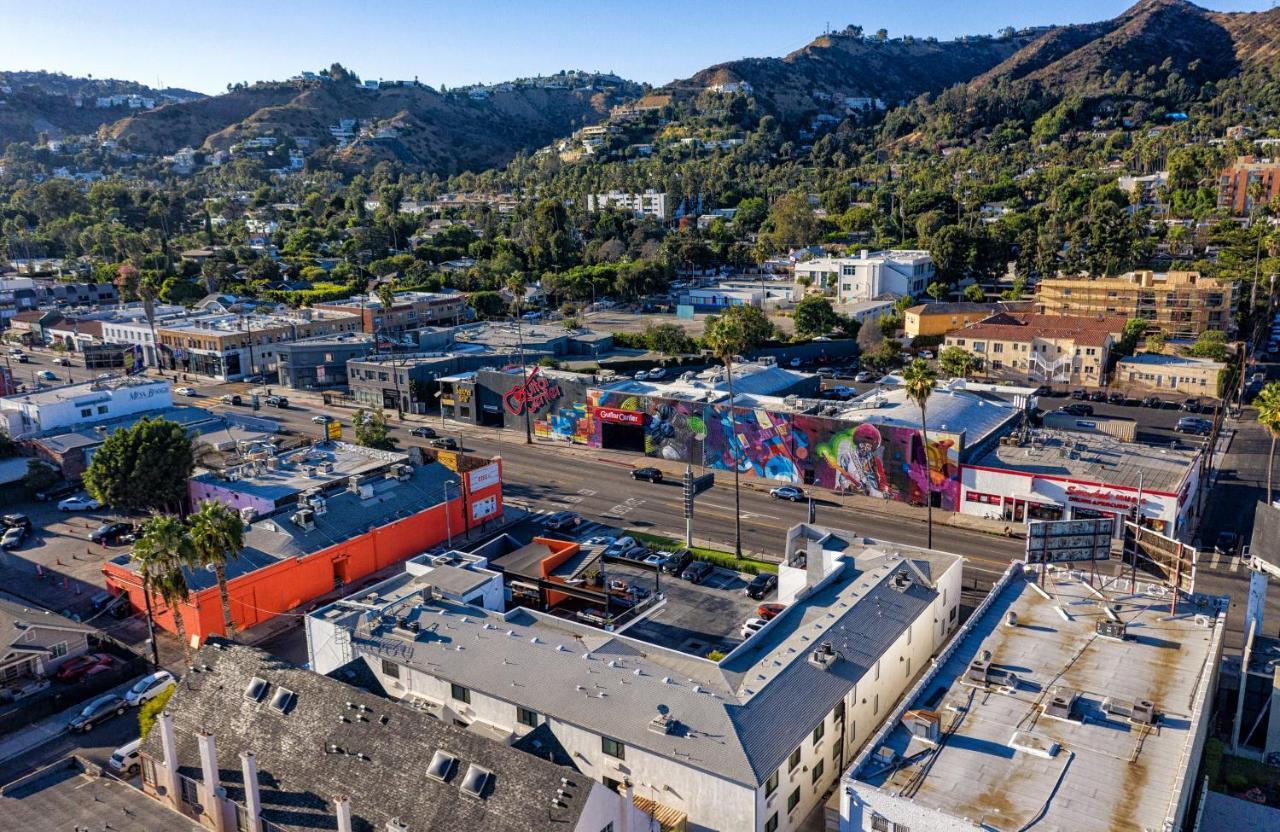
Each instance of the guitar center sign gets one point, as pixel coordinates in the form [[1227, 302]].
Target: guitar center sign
[[535, 393], [620, 417]]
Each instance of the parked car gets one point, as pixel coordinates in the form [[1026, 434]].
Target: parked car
[[127, 759], [795, 362], [752, 626], [10, 521], [650, 474], [623, 547], [864, 377], [80, 502], [99, 710], [770, 611], [112, 534], [787, 492], [1097, 395], [562, 520], [761, 585], [444, 443], [75, 668], [1226, 543], [1193, 425], [149, 687], [230, 398], [657, 373], [656, 559], [842, 391], [1079, 395], [423, 431], [677, 562], [927, 355], [827, 372], [57, 490], [1152, 401], [13, 537], [1116, 397], [1191, 405], [277, 401], [1043, 390], [185, 391], [640, 375], [697, 572], [1076, 409], [21, 359], [61, 361], [605, 540]]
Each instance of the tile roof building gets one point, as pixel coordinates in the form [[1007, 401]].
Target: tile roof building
[[749, 742], [1037, 716], [251, 742], [940, 318], [1029, 347]]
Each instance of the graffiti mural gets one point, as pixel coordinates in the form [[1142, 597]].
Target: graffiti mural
[[755, 441]]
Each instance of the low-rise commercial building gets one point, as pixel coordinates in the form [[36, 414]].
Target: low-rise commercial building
[[934, 319], [1179, 304], [870, 274], [749, 742], [320, 363], [87, 403], [1170, 374], [229, 347], [1038, 716], [1027, 347], [410, 311]]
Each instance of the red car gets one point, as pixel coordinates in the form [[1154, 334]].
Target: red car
[[80, 667], [770, 611]]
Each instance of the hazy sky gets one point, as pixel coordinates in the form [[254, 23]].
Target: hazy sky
[[204, 46]]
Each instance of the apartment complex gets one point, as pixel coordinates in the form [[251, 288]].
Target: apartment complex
[[230, 347], [1248, 174], [650, 203], [870, 274], [410, 311], [1179, 304], [1040, 715], [932, 319], [1029, 347], [749, 742]]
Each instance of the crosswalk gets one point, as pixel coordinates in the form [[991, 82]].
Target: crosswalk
[[586, 529], [1230, 563]]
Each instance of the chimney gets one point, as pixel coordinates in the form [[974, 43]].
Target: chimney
[[169, 744], [628, 805], [252, 800], [342, 807], [209, 772]]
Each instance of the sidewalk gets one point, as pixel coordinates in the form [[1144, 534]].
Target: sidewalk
[[39, 733]]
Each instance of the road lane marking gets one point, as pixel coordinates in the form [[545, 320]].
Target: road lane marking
[[1235, 564]]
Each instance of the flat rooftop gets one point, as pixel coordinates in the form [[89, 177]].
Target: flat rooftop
[[278, 477], [952, 408], [1095, 457], [71, 795], [213, 428], [1147, 359], [103, 388], [711, 385], [1108, 774]]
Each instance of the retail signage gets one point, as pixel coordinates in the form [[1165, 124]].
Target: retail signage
[[484, 477], [1057, 541], [620, 417], [1170, 561], [1105, 499], [533, 394]]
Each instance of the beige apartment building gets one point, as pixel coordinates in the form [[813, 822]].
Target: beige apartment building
[[1170, 374], [1179, 304], [1028, 347]]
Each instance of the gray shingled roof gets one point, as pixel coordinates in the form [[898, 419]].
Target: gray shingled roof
[[16, 615], [1265, 542], [300, 773]]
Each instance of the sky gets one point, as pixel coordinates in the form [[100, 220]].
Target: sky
[[205, 46]]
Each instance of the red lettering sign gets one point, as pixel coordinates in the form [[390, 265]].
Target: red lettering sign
[[1101, 498], [620, 417], [532, 395]]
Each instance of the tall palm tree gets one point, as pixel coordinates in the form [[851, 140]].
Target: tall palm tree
[[163, 551], [1268, 404], [217, 535], [919, 379]]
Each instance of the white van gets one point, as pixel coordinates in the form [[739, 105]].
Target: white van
[[127, 758]]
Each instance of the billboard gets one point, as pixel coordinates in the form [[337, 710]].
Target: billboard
[[1061, 541], [1169, 561], [333, 430]]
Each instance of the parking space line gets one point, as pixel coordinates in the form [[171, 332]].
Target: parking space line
[[1235, 564], [1213, 562]]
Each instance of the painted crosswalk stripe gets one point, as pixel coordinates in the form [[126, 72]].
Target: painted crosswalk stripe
[[1235, 564], [1213, 564]]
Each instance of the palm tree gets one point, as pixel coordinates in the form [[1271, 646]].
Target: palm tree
[[163, 551], [919, 379], [217, 534], [1268, 404]]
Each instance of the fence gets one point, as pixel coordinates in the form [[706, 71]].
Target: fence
[[59, 696]]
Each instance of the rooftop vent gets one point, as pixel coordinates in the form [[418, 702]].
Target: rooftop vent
[[281, 700], [1061, 702], [441, 766], [397, 825], [256, 688], [662, 724], [475, 780], [902, 580], [824, 657], [1111, 629], [1144, 712], [304, 518], [923, 724]]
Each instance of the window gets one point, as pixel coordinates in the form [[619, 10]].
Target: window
[[613, 748], [771, 825], [771, 785], [86, 412], [838, 715], [58, 650], [190, 794], [608, 827], [879, 824], [526, 717], [391, 669], [819, 733], [997, 347], [817, 771], [793, 800], [148, 771], [793, 760], [876, 708], [877, 671], [460, 693]]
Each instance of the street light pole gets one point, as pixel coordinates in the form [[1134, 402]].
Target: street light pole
[[448, 526]]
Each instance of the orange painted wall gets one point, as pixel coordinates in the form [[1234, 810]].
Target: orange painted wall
[[265, 593], [561, 550]]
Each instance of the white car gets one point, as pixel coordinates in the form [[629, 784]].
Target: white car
[[657, 372], [926, 354], [127, 758], [752, 626], [149, 687], [80, 502], [185, 391], [605, 540], [640, 375], [322, 420]]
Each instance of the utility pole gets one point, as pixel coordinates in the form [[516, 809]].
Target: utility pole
[[688, 504]]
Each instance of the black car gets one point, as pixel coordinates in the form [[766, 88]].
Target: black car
[[1098, 396], [761, 585], [100, 709], [1194, 425], [1116, 398], [11, 521], [697, 572], [562, 520], [277, 401], [424, 432], [1226, 543], [111, 534], [1079, 395], [57, 492], [1152, 401], [678, 562], [650, 474], [444, 443], [1043, 390], [1191, 405], [1077, 409]]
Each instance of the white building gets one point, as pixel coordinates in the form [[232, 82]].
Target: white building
[[1037, 716], [85, 403], [750, 742], [130, 326], [651, 203], [870, 274]]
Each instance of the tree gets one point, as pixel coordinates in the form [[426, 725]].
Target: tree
[[919, 379], [1212, 343], [151, 710], [371, 429], [791, 223], [1155, 342], [936, 290], [163, 552], [40, 475], [1268, 405], [143, 467], [668, 339], [814, 316], [488, 304], [1134, 328], [217, 535], [974, 293], [957, 362], [739, 330], [886, 355]]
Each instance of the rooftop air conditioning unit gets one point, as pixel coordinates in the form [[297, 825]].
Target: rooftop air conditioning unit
[[365, 492], [1111, 629], [353, 484], [248, 514], [923, 724], [326, 467], [978, 670], [662, 724], [1144, 712], [824, 656], [304, 518], [319, 505], [1061, 702]]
